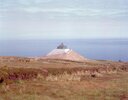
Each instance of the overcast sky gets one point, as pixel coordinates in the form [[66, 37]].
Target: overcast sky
[[57, 19]]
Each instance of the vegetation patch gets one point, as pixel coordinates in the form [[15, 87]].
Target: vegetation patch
[[11, 74]]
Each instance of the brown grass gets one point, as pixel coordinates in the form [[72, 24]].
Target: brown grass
[[8, 75], [109, 87], [63, 80]]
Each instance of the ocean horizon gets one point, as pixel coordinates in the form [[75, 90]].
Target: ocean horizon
[[98, 49]]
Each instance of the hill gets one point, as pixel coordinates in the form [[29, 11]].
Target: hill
[[23, 78]]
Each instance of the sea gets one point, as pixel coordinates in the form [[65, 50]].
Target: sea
[[97, 49]]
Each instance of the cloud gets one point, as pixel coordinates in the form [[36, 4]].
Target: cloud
[[49, 10], [77, 11], [34, 2], [55, 8]]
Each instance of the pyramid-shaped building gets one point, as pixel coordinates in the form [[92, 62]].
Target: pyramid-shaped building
[[63, 52]]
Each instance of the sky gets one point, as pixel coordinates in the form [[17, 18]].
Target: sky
[[63, 19]]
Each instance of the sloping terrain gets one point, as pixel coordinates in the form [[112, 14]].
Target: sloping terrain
[[24, 78], [65, 54]]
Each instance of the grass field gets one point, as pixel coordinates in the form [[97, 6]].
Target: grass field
[[45, 80]]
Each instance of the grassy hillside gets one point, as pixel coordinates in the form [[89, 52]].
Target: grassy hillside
[[46, 79]]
